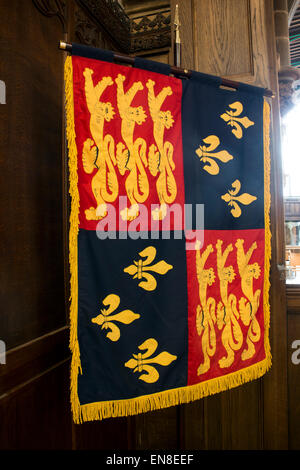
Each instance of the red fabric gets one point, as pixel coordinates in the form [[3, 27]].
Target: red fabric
[[145, 130], [195, 352]]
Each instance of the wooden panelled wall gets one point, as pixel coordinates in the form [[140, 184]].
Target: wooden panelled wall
[[293, 343], [224, 37]]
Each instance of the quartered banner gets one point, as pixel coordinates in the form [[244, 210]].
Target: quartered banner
[[169, 236]]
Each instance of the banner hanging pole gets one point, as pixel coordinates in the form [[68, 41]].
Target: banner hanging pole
[[177, 71]]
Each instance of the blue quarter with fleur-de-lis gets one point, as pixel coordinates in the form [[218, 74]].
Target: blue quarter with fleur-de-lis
[[224, 144], [116, 317]]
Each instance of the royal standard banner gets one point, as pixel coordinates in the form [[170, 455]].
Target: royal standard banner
[[169, 237]]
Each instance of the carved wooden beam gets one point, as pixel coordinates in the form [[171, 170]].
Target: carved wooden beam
[[112, 18], [129, 35], [151, 31], [145, 32]]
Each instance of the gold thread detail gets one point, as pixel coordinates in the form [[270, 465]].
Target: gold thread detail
[[142, 361], [205, 318], [139, 269], [249, 304], [160, 156], [207, 156], [99, 152], [234, 199], [73, 232], [131, 156], [227, 312], [232, 118], [167, 398], [268, 250], [107, 321]]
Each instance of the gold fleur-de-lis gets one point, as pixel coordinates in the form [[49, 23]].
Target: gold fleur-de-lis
[[232, 198], [206, 154], [141, 361], [139, 268], [232, 119], [106, 320]]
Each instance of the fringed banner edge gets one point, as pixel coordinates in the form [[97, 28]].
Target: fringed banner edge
[[172, 397]]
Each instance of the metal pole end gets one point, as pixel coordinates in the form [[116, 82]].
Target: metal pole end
[[62, 45]]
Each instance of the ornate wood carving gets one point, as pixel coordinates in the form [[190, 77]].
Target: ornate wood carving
[[86, 31], [151, 31], [288, 79], [107, 19], [52, 8], [113, 20]]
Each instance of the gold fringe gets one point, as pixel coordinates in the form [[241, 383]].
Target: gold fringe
[[267, 205], [73, 232], [172, 397], [177, 396]]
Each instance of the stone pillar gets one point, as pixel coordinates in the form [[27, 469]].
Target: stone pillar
[[287, 74], [282, 31]]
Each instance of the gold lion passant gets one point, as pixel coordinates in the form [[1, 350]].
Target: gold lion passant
[[206, 317], [132, 156], [99, 153], [161, 155], [249, 304], [227, 312]]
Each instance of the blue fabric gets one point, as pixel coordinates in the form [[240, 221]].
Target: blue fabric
[[199, 78], [152, 66], [251, 89], [105, 276], [92, 52], [202, 105]]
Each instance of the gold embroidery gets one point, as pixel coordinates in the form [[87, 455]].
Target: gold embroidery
[[101, 155], [161, 155], [227, 313], [248, 307], [206, 318], [133, 156], [232, 119], [141, 361], [206, 154], [139, 268], [174, 396], [106, 320], [232, 198]]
